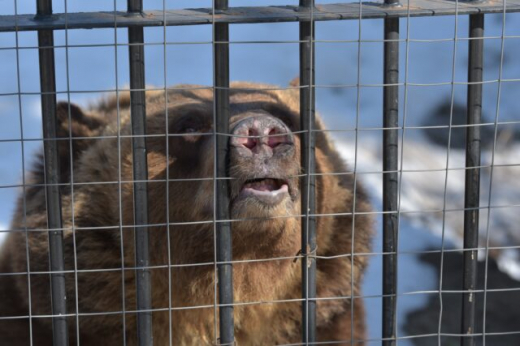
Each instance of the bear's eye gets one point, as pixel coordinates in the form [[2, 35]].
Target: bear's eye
[[190, 130]]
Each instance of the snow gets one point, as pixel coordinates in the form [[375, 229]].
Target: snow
[[422, 193]]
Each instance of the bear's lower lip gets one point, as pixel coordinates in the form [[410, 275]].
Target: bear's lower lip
[[268, 191]]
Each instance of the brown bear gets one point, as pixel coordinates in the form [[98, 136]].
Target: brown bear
[[264, 191]]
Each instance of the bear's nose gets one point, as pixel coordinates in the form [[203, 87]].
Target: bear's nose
[[261, 135]]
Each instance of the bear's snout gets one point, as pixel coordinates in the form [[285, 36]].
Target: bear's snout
[[261, 136]]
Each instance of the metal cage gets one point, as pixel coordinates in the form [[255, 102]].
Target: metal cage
[[220, 17]]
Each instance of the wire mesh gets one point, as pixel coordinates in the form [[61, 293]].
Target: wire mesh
[[395, 200]]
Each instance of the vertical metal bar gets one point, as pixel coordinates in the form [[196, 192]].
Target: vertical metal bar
[[224, 245], [390, 179], [308, 207], [472, 189], [140, 170], [52, 178]]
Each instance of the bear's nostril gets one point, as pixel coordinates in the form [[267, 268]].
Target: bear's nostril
[[261, 135], [247, 139], [275, 138], [250, 140]]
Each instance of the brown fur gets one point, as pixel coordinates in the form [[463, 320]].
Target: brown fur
[[91, 218]]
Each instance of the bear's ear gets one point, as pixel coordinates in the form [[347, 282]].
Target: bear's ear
[[81, 125], [295, 82]]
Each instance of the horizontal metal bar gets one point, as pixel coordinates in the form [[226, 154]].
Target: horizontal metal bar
[[261, 14], [247, 42], [289, 216], [285, 258], [274, 301], [354, 342]]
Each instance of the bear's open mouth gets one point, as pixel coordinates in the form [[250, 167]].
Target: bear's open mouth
[[268, 190], [265, 184]]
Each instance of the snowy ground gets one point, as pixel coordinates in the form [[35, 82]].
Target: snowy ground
[[94, 68], [426, 189], [421, 192]]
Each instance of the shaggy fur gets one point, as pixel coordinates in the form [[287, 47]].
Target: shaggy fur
[[93, 239]]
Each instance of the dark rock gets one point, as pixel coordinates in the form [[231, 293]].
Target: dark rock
[[502, 307], [440, 116]]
